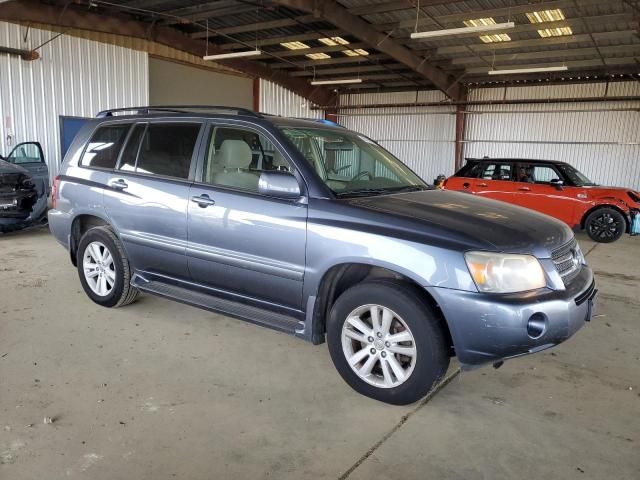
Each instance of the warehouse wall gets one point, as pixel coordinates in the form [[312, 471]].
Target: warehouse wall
[[422, 138], [172, 83], [600, 139], [277, 100], [74, 77]]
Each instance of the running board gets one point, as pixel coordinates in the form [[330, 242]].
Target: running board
[[258, 316]]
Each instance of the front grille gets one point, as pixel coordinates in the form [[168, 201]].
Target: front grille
[[568, 263]]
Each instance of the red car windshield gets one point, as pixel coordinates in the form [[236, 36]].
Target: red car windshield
[[576, 177]]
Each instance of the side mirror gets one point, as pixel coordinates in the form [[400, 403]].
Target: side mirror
[[557, 183], [279, 184]]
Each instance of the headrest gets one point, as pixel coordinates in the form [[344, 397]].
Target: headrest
[[234, 154], [279, 162]]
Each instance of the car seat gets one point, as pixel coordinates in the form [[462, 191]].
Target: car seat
[[235, 157]]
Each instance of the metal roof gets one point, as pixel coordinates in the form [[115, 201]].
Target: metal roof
[[605, 38]]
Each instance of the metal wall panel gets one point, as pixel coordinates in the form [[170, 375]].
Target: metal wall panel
[[423, 138], [74, 77], [600, 139], [277, 100]]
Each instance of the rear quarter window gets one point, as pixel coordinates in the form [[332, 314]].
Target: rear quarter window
[[104, 147]]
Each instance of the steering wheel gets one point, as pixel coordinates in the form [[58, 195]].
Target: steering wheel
[[362, 174]]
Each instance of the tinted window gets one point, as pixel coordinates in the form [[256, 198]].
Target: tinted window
[[104, 147], [236, 157], [496, 171], [167, 149], [130, 152], [470, 170]]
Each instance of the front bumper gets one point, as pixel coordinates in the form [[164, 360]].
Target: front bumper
[[488, 328]]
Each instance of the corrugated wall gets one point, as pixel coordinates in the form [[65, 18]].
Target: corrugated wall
[[600, 139], [277, 100], [423, 138], [74, 77]]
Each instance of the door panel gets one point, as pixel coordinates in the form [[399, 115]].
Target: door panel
[[242, 242], [494, 181], [29, 156], [534, 191], [146, 195]]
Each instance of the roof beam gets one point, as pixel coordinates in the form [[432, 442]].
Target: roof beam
[[287, 38], [336, 14], [394, 6], [352, 70], [571, 64], [332, 61], [80, 18], [304, 51], [256, 27]]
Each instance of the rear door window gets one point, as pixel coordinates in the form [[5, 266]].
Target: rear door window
[[167, 149], [495, 171], [104, 147]]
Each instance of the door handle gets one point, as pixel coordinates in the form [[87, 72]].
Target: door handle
[[482, 185], [118, 184], [524, 189], [203, 200]]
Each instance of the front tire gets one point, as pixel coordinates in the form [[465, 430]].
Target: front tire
[[605, 225], [103, 268], [386, 342]]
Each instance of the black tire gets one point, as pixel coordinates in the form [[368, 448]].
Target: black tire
[[605, 225], [432, 359], [122, 293]]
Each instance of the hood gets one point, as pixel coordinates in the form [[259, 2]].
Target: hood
[[6, 167], [599, 191], [468, 222]]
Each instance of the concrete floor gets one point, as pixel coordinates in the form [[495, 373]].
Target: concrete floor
[[159, 390]]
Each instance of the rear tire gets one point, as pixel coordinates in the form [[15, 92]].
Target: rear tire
[[605, 225], [103, 268], [370, 324]]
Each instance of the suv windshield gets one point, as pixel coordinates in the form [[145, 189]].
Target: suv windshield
[[576, 177], [351, 164]]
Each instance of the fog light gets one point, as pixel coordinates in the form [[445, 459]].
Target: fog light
[[537, 325]]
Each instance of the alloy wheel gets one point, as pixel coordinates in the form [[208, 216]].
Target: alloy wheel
[[379, 346], [99, 268], [605, 226]]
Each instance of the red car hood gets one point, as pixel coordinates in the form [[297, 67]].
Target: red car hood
[[616, 192]]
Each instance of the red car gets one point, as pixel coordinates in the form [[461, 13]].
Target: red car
[[554, 188]]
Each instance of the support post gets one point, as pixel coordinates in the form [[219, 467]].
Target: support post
[[460, 134]]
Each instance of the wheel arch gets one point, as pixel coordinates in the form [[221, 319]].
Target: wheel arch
[[338, 278], [79, 226], [624, 214]]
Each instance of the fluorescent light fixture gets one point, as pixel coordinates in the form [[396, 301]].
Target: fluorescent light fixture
[[555, 32], [317, 56], [463, 30], [222, 56], [513, 71], [546, 16], [355, 53], [336, 82], [496, 37], [333, 41], [295, 45]]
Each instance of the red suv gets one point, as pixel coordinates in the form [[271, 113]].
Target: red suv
[[554, 188]]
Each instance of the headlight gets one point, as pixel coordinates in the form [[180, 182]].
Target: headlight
[[504, 272]]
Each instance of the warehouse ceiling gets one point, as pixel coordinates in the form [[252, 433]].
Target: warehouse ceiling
[[370, 40]]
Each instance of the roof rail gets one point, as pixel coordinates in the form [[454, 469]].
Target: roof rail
[[145, 110]]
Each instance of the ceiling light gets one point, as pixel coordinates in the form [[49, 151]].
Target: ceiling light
[[480, 22], [496, 37], [470, 28], [333, 41], [555, 32], [222, 56], [513, 71], [336, 82], [355, 53], [295, 45], [546, 16], [317, 56]]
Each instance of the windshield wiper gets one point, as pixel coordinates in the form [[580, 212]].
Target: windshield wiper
[[363, 192]]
